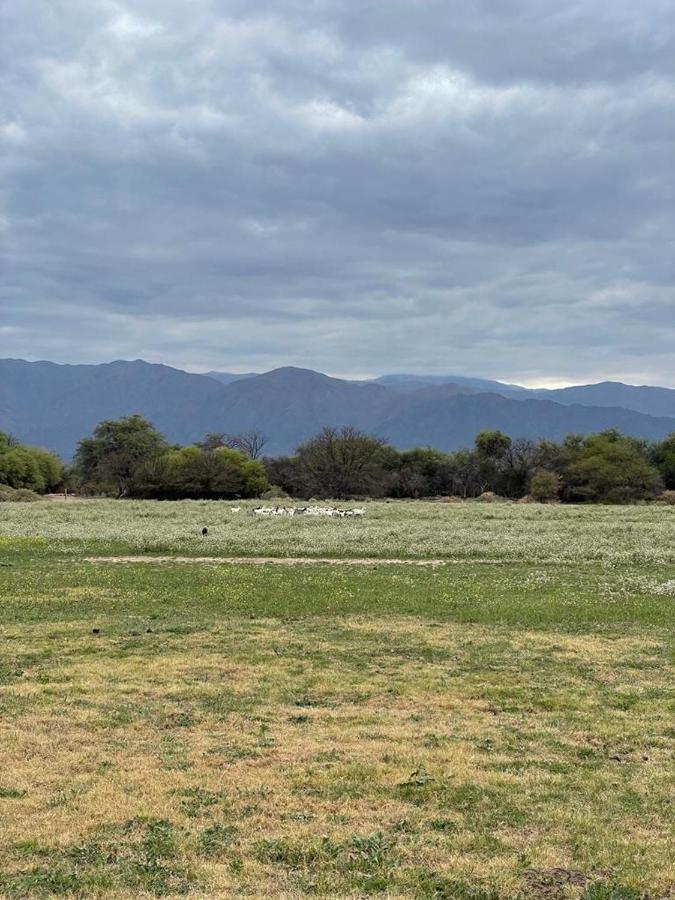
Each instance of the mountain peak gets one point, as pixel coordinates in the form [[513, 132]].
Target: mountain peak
[[55, 406]]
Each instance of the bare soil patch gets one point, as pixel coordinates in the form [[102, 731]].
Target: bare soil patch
[[267, 560]]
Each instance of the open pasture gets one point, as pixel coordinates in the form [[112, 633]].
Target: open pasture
[[498, 726]]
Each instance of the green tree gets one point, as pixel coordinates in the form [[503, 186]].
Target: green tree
[[492, 444], [422, 472], [28, 467], [287, 473], [663, 455], [345, 462], [612, 468], [190, 472], [117, 448]]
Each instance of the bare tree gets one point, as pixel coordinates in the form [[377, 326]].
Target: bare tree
[[251, 443]]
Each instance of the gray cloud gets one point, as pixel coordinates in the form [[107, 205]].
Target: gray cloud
[[360, 188]]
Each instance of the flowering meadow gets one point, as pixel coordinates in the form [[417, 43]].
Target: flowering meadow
[[532, 533]]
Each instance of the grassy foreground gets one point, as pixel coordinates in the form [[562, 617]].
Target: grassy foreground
[[497, 727]]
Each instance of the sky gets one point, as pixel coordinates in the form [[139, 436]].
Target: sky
[[354, 186]]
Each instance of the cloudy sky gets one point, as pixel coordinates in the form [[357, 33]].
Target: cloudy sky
[[357, 186]]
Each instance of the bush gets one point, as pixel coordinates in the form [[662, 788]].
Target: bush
[[667, 497], [274, 493], [20, 495], [545, 486], [28, 467]]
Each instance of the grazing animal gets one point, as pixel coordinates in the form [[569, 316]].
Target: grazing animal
[[330, 511], [205, 531]]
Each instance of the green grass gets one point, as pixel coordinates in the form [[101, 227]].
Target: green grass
[[497, 727]]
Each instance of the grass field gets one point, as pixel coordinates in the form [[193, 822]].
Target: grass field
[[498, 726]]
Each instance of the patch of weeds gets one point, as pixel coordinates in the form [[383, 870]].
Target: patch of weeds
[[298, 817], [391, 758], [234, 754], [449, 826], [172, 754], [312, 701], [196, 801], [339, 781], [45, 882], [64, 797], [265, 739], [139, 855], [419, 787], [29, 848], [360, 863], [301, 719], [433, 741], [236, 865], [180, 719], [553, 884], [357, 697], [215, 839], [613, 891], [8, 793], [329, 756], [404, 826], [488, 806], [372, 851], [222, 704], [295, 855], [8, 674], [429, 885], [419, 778]]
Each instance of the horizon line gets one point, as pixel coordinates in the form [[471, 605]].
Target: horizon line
[[546, 383]]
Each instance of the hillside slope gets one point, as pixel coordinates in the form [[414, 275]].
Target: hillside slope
[[654, 401], [55, 406], [450, 423]]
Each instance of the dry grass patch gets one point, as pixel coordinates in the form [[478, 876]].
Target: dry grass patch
[[334, 758]]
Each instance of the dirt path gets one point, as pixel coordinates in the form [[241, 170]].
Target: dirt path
[[266, 560]]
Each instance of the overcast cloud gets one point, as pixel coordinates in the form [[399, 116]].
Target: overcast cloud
[[356, 186]]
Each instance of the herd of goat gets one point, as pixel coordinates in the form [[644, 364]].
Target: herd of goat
[[303, 511]]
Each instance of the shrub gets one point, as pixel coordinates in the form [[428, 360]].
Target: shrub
[[274, 493], [20, 495], [545, 486]]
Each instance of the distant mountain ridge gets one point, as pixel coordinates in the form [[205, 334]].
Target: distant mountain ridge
[[653, 401], [408, 383], [229, 377], [54, 405]]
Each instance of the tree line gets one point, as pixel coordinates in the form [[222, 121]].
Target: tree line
[[128, 457], [607, 467], [28, 468]]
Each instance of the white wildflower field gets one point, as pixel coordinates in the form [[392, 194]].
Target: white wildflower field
[[533, 533]]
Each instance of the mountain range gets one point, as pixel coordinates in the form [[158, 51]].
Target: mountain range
[[54, 406]]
